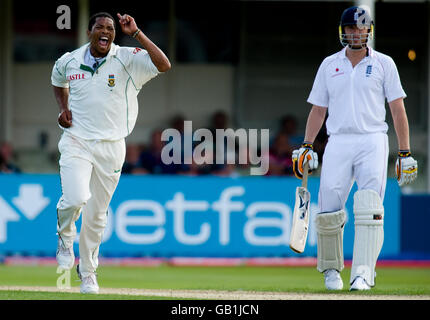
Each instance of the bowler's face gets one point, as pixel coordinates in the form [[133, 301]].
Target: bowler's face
[[101, 36]]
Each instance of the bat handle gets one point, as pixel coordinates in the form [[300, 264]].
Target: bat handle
[[305, 175]]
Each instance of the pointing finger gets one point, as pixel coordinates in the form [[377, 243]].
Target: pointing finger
[[121, 18]]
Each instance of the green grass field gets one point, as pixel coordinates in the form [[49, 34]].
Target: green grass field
[[389, 281]]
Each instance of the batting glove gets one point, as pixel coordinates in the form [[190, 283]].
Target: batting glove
[[406, 168], [303, 155]]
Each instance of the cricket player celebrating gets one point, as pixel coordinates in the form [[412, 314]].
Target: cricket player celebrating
[[353, 85], [96, 88]]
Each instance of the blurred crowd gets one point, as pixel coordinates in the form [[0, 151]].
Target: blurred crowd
[[147, 158], [6, 156]]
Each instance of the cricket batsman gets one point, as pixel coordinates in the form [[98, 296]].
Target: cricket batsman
[[96, 88], [352, 86]]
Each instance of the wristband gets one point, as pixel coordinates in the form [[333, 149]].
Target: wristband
[[404, 153], [307, 145], [136, 33]]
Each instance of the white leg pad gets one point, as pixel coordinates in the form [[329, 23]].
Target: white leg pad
[[369, 234], [329, 227]]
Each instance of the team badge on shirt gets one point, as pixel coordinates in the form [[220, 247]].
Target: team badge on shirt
[[368, 70], [111, 80]]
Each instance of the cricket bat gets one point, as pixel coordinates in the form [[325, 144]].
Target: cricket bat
[[300, 225]]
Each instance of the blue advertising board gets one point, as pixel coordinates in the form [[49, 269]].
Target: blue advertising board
[[167, 216], [415, 220]]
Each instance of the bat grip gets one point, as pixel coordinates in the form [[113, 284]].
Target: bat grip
[[305, 175]]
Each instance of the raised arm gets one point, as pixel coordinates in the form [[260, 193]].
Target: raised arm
[[129, 27]]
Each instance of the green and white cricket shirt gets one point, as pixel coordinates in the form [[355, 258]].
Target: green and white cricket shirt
[[103, 101]]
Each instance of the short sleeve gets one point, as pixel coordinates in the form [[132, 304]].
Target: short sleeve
[[319, 94], [392, 86], [58, 76], [142, 67]]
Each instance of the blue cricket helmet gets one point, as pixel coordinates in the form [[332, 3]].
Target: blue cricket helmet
[[355, 16]]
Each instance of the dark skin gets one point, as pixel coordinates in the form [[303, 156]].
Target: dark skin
[[62, 98], [101, 37], [103, 28]]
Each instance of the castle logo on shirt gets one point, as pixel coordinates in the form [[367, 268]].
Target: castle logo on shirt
[[111, 80], [77, 76]]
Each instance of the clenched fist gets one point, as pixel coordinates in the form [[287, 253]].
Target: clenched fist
[[65, 118]]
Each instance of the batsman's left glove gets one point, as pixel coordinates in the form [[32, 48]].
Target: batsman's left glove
[[406, 168], [303, 155]]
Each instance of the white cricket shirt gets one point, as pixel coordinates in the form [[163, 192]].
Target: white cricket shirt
[[355, 97], [103, 102]]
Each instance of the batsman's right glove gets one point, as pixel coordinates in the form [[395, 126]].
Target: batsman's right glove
[[303, 155], [406, 168]]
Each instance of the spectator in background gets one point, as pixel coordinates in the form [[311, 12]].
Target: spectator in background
[[220, 120], [6, 154], [227, 170], [43, 140], [177, 123], [198, 164], [321, 141], [196, 169], [280, 162], [132, 164], [288, 126], [150, 158], [243, 169]]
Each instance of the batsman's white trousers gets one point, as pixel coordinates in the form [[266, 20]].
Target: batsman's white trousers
[[90, 172], [362, 158]]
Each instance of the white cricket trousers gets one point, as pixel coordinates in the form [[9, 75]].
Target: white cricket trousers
[[90, 172], [362, 158]]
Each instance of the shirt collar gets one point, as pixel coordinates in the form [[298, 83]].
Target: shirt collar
[[80, 52], [342, 53]]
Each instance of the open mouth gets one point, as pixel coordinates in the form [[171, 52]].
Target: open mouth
[[103, 42]]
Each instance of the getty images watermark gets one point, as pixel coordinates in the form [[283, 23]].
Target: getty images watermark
[[182, 148]]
